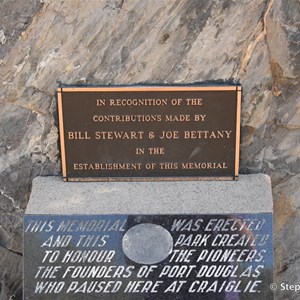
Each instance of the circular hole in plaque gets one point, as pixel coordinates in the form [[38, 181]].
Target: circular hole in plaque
[[147, 243]]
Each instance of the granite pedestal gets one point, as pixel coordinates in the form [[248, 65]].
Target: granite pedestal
[[149, 240]]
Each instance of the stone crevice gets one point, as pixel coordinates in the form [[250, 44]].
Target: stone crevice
[[10, 198], [195, 26], [259, 34], [264, 36], [121, 3], [292, 261], [13, 251]]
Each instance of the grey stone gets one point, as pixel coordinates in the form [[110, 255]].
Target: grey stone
[[147, 243], [11, 268], [250, 194], [287, 229], [15, 17]]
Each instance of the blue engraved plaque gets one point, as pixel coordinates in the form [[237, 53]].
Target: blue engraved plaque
[[148, 256]]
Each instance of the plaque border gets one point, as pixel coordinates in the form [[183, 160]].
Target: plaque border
[[236, 88], [62, 134]]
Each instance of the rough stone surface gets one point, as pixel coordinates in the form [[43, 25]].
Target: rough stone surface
[[252, 42], [250, 194], [287, 233], [15, 17]]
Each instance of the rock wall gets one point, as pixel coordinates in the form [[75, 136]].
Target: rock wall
[[114, 42]]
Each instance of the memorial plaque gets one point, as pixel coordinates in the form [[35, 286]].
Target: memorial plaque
[[148, 256], [133, 133]]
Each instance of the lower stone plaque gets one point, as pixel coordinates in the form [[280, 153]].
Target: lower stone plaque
[[148, 256]]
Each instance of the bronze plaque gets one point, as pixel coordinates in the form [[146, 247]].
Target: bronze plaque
[[137, 133]]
